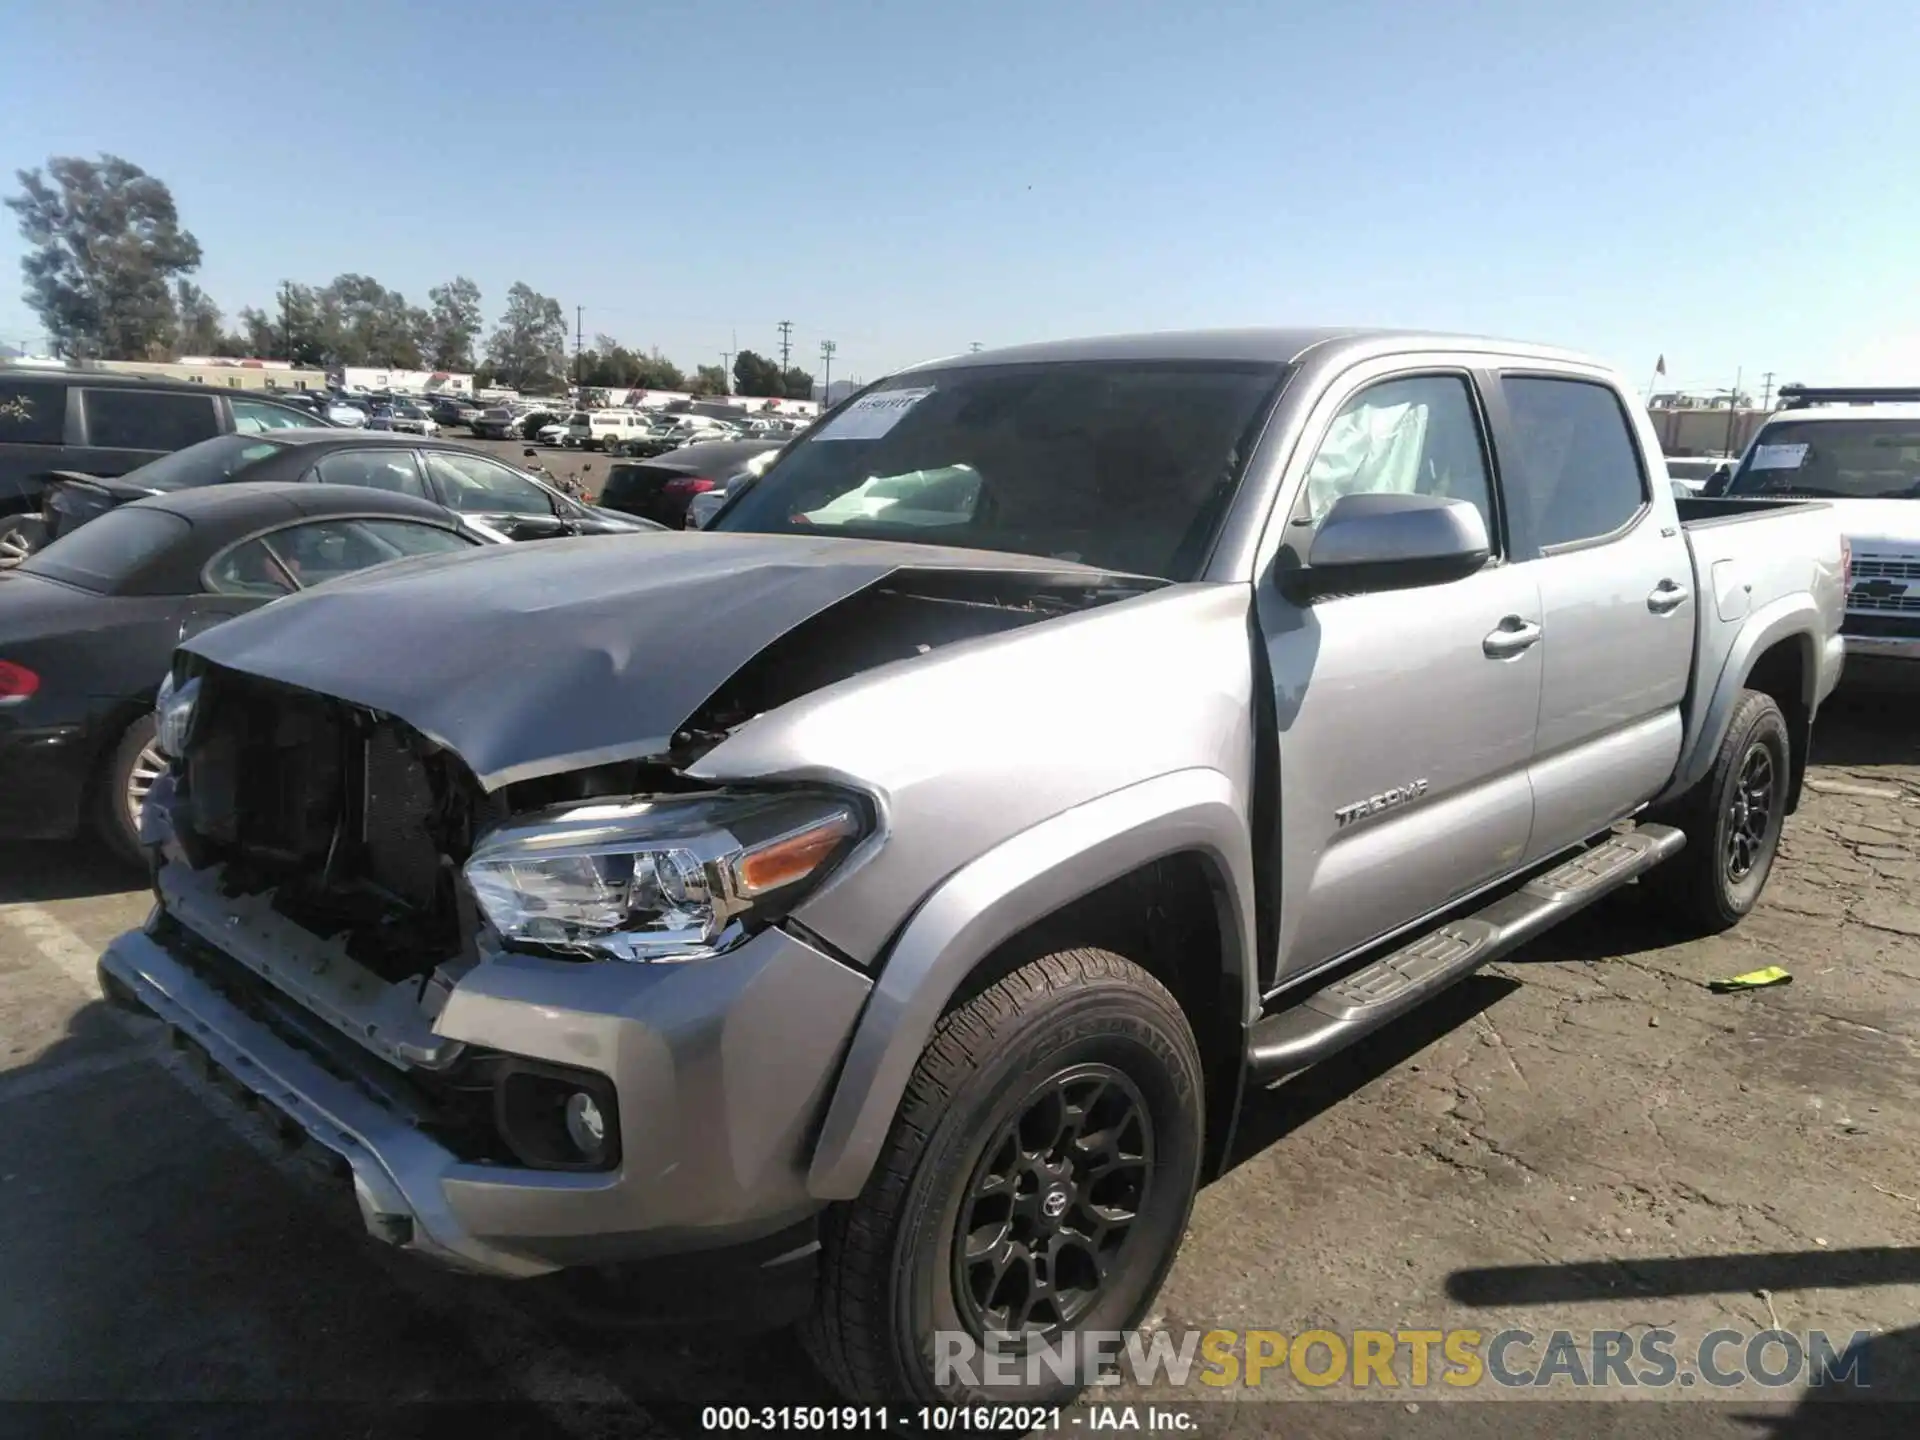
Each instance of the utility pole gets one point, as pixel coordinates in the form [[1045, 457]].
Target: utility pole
[[1733, 408], [786, 346], [827, 347], [726, 369], [286, 322], [1766, 390], [974, 346], [579, 312]]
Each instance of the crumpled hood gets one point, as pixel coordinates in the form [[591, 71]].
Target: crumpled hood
[[542, 658]]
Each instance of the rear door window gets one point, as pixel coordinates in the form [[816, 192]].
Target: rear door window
[[32, 413], [250, 417], [326, 549], [128, 418], [248, 569], [474, 484], [1576, 472], [384, 469]]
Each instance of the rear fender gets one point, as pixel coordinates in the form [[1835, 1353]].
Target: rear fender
[[1795, 618]]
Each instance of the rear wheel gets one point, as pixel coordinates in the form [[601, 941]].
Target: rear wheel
[[1035, 1185], [131, 768], [1733, 819]]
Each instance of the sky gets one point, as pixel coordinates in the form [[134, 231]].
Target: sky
[[1730, 186]]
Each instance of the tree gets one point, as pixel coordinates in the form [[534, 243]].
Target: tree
[[453, 324], [754, 374], [799, 384], [364, 323], [199, 320], [104, 244], [528, 349], [707, 380], [653, 371]]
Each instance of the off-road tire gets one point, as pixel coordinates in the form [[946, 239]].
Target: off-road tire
[[111, 821], [1702, 887], [890, 1274]]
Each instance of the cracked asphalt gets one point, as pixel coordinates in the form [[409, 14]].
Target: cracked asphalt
[[1583, 1138]]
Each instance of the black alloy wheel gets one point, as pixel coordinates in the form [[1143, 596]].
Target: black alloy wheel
[[1052, 1202]]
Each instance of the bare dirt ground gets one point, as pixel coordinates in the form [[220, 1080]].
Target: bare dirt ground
[[1584, 1138]]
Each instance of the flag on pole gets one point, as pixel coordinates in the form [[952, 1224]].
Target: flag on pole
[[1660, 366]]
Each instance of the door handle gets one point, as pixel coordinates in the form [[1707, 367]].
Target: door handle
[[1667, 597], [1511, 637]]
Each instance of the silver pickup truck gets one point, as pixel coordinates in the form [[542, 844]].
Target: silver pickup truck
[[881, 901]]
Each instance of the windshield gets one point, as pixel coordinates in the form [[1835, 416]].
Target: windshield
[[1833, 459], [208, 463], [1128, 465]]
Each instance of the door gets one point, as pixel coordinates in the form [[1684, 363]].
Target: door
[[1405, 718], [1616, 588], [504, 498]]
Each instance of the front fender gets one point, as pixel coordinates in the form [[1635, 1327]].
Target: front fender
[[1010, 887]]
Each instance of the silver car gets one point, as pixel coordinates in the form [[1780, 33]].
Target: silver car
[[887, 897]]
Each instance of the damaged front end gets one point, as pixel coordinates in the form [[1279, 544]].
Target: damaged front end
[[469, 955]]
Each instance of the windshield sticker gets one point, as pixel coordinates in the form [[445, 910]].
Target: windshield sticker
[[872, 416], [1778, 457]]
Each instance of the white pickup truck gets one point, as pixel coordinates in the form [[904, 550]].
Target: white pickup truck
[[1859, 450]]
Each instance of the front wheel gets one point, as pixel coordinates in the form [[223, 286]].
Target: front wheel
[[1732, 819], [1035, 1186]]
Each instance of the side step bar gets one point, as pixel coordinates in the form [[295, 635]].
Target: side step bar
[[1358, 1003]]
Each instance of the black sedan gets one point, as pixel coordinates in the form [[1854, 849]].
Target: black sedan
[[89, 624], [660, 489], [464, 480]]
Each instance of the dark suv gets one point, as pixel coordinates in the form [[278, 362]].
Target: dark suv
[[100, 423]]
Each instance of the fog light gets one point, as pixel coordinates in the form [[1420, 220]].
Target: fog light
[[555, 1117], [586, 1126]]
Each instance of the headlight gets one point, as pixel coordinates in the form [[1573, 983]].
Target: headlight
[[173, 715], [673, 878]]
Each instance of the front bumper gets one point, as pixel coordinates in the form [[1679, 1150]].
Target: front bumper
[[722, 1068]]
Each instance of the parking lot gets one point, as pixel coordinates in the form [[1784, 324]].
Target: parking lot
[[1648, 1152]]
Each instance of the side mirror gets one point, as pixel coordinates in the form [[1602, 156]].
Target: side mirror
[[1390, 542]]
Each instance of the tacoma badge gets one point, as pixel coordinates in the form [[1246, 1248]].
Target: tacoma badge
[[1374, 804]]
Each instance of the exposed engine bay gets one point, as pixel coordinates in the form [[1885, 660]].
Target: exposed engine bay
[[354, 826]]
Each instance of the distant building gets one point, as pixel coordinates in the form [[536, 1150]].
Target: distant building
[[1704, 430], [233, 374], [403, 382]]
